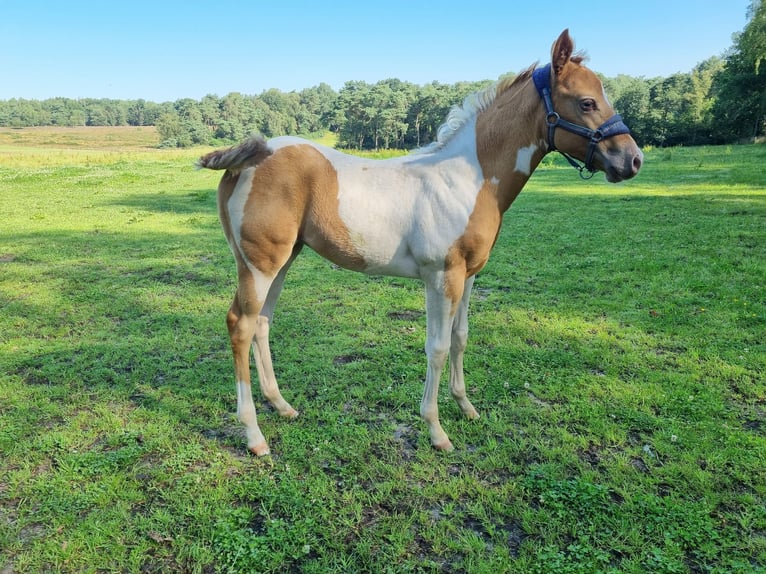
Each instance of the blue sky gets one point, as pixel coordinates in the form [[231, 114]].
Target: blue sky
[[166, 50]]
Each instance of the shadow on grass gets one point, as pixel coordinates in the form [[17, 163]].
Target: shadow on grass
[[113, 312], [196, 201], [140, 317]]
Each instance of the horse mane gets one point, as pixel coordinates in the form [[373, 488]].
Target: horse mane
[[579, 57], [473, 104]]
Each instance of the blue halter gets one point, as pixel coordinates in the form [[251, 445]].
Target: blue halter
[[611, 127]]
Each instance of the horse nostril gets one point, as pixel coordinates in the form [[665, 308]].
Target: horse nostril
[[636, 163]]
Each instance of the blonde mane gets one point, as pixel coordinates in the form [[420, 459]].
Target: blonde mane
[[473, 104]]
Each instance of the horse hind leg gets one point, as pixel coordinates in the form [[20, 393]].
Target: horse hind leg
[[242, 322], [248, 326], [261, 350]]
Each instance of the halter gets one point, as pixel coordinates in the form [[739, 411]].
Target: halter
[[611, 127]]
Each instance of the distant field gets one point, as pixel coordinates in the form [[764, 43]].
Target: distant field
[[78, 140], [617, 356], [101, 138], [84, 146]]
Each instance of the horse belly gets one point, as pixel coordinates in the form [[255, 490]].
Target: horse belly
[[400, 230], [379, 208], [376, 246]]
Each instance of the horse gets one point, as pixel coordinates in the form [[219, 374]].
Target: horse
[[432, 215]]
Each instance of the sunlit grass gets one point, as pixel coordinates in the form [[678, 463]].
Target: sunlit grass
[[616, 356]]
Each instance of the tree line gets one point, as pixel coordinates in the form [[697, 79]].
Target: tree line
[[722, 100]]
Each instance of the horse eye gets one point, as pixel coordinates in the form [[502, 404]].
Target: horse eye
[[588, 105]]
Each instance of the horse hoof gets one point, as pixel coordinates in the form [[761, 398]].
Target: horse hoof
[[445, 446], [260, 449]]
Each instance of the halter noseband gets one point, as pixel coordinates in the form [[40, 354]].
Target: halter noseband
[[611, 127]]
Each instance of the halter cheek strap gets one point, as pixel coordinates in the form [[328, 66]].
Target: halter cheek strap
[[611, 127]]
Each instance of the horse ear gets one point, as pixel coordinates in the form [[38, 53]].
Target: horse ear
[[561, 51]]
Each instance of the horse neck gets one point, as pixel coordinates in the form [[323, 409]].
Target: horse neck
[[510, 140]]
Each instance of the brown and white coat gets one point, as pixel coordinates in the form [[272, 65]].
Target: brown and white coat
[[433, 215]]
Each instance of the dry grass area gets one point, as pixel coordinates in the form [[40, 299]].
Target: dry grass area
[[82, 137], [84, 146]]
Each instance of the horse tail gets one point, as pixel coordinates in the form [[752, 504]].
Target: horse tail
[[236, 158]]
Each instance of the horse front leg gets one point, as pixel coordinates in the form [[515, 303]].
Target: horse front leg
[[438, 327], [457, 349]]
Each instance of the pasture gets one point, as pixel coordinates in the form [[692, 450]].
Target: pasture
[[616, 356]]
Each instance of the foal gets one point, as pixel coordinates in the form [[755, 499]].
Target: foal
[[433, 215]]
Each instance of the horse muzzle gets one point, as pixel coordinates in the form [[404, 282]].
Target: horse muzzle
[[620, 163]]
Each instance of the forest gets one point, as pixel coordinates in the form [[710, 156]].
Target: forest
[[722, 100]]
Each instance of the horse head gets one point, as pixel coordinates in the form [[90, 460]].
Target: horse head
[[581, 122]]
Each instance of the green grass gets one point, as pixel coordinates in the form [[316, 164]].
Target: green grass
[[616, 357]]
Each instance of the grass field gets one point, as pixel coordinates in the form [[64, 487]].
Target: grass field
[[616, 356]]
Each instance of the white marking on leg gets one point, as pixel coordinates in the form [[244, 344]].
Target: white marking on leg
[[261, 350], [246, 415], [457, 348], [438, 327], [261, 280], [524, 159], [266, 377]]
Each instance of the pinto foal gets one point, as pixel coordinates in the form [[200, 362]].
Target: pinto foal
[[433, 215]]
